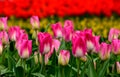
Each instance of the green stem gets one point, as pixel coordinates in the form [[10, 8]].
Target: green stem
[[43, 65], [63, 75], [78, 67]]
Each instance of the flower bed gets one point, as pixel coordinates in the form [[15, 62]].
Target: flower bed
[[66, 53]]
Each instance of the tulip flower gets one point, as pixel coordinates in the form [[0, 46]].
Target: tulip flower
[[3, 23], [79, 48], [116, 46], [97, 44], [14, 32], [34, 20], [4, 37], [113, 34], [45, 42], [105, 50], [57, 30], [64, 57], [56, 44], [68, 30], [25, 48], [118, 67], [90, 41], [19, 38], [1, 48]]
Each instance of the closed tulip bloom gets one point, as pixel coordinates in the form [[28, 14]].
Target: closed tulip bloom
[[90, 41], [25, 48], [105, 50], [56, 44], [116, 46], [45, 42], [34, 20], [1, 48], [57, 30], [19, 38], [3, 23], [79, 48], [113, 34], [4, 37], [118, 67], [13, 32], [64, 57], [68, 30], [97, 44], [36, 57]]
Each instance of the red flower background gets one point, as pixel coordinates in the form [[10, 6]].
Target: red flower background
[[45, 8]]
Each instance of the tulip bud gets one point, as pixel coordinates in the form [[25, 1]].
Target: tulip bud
[[24, 48], [84, 58], [118, 67], [1, 48], [4, 37], [3, 23], [13, 32], [68, 30], [56, 44], [45, 42], [79, 48], [57, 29], [63, 57], [36, 57], [34, 20], [116, 46], [105, 50], [113, 34]]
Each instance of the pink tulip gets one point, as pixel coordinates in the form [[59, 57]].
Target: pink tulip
[[25, 48], [97, 44], [56, 44], [3, 23], [90, 41], [19, 38], [64, 57], [116, 46], [105, 50], [14, 32], [113, 34], [68, 30], [4, 37], [118, 67], [45, 42], [34, 20], [57, 30], [79, 48], [1, 48]]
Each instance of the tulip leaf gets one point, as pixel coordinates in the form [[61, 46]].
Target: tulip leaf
[[91, 69], [84, 68], [103, 68], [19, 72], [38, 74]]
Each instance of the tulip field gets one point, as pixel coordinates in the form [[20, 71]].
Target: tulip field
[[60, 49]]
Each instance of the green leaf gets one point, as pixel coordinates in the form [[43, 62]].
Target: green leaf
[[5, 71], [84, 68], [19, 72], [91, 69], [38, 74], [62, 46], [103, 69]]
